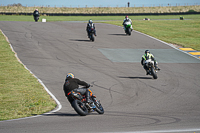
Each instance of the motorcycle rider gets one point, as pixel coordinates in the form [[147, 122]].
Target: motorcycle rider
[[36, 14], [90, 24], [72, 84], [127, 20], [147, 56]]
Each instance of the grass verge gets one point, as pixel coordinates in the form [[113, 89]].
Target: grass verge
[[185, 33], [21, 95], [94, 18]]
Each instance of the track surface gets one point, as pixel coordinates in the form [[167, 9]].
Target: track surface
[[132, 101]]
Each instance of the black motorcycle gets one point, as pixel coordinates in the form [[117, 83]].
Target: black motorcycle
[[79, 103], [36, 15], [151, 68]]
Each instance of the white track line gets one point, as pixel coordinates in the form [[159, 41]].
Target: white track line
[[59, 106]]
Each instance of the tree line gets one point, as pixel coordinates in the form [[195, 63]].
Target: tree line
[[18, 4]]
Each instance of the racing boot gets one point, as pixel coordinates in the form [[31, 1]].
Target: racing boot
[[89, 103], [131, 27], [156, 67], [147, 72]]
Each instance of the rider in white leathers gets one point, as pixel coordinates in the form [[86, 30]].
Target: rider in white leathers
[[126, 20]]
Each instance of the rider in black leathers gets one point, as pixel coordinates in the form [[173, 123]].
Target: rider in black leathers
[[72, 84], [89, 25], [36, 14]]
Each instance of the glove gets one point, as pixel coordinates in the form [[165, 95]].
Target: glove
[[88, 86]]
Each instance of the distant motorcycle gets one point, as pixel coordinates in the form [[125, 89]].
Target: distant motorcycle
[[151, 68], [36, 15], [79, 103], [127, 26], [91, 33]]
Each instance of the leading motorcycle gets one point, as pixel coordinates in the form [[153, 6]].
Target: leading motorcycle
[[79, 103], [151, 68]]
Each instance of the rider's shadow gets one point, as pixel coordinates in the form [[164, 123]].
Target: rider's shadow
[[67, 114], [79, 40], [136, 77], [61, 114], [118, 34]]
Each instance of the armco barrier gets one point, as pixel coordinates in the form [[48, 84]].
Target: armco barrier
[[101, 14]]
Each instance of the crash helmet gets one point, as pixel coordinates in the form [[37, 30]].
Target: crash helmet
[[126, 17], [147, 51], [70, 75], [90, 21], [36, 9]]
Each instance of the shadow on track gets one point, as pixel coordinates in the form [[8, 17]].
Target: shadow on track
[[79, 40], [118, 34], [136, 77], [67, 114], [60, 114]]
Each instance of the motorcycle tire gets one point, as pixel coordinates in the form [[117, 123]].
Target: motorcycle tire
[[36, 19], [80, 107], [154, 73], [129, 31], [92, 37], [99, 108]]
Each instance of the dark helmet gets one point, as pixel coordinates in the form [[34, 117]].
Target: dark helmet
[[147, 51]]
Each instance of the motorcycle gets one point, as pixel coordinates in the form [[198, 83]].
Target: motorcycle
[[151, 68], [79, 103], [91, 33], [36, 18], [127, 26]]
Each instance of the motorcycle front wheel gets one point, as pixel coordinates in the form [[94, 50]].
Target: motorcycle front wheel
[[80, 107], [154, 73], [92, 37], [129, 31], [99, 108]]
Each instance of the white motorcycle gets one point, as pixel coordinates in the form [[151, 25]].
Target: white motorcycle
[[151, 68], [127, 26]]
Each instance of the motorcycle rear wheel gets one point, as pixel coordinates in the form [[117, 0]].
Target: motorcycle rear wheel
[[80, 107]]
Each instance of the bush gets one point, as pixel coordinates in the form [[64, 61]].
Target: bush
[[191, 11]]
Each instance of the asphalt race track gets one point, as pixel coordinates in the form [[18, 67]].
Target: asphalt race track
[[132, 100]]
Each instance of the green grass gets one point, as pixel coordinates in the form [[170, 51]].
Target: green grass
[[94, 18], [21, 95], [185, 33]]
